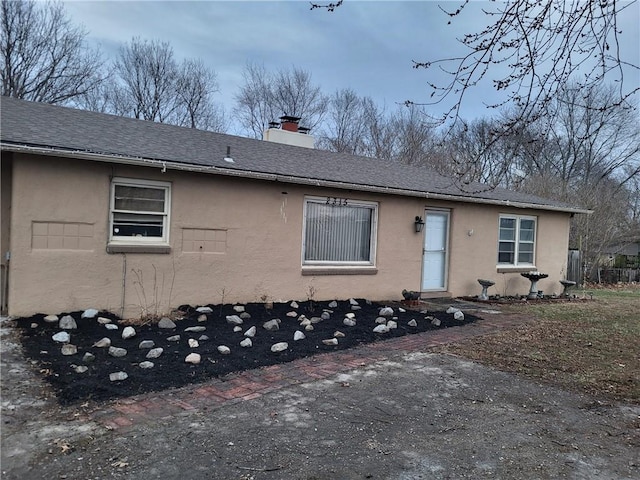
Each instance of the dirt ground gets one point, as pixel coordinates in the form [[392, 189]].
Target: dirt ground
[[414, 415]]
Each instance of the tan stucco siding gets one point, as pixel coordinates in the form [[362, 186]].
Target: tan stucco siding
[[231, 239]]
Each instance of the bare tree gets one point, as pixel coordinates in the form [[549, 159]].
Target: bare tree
[[345, 124], [266, 96], [44, 57], [195, 87]]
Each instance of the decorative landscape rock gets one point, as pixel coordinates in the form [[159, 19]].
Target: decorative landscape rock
[[391, 324], [234, 320], [293, 304], [69, 349], [146, 365], [117, 351], [451, 310], [381, 329], [333, 304], [349, 322], [89, 313], [251, 332], [128, 332], [292, 314], [330, 341], [80, 368], [272, 325], [202, 318], [435, 322], [145, 344], [166, 322], [68, 323], [193, 343], [338, 334], [195, 329], [193, 358], [224, 350], [412, 323], [246, 343], [61, 337], [458, 315], [173, 338], [88, 357], [386, 312], [350, 315], [352, 302], [298, 335], [203, 338], [104, 320], [111, 326], [155, 352], [279, 347], [51, 318], [118, 376], [103, 343], [238, 308], [308, 328], [237, 328], [245, 315], [204, 310], [323, 316], [381, 320]]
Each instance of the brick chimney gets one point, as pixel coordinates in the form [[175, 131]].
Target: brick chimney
[[289, 132]]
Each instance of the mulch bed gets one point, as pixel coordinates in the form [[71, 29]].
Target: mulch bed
[[170, 369]]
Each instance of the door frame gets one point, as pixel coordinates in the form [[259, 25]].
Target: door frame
[[445, 280]]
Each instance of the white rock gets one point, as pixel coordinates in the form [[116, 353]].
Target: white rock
[[89, 313], [251, 332], [293, 304], [246, 343], [204, 310], [117, 351], [118, 376], [452, 310], [103, 342], [308, 328], [350, 315], [193, 358], [386, 312], [323, 316], [166, 322], [349, 322], [234, 320], [333, 304], [381, 328], [224, 350], [79, 368], [458, 315], [146, 365], [237, 328], [103, 320], [173, 338], [111, 326], [338, 334], [195, 329], [298, 335], [34, 325], [352, 301], [155, 352], [305, 322], [412, 323], [279, 347], [203, 338], [128, 332], [146, 344], [61, 337], [436, 322], [51, 318], [401, 310], [356, 307], [245, 315], [202, 318], [381, 320], [193, 343], [292, 314], [391, 324], [272, 325], [238, 308], [330, 341], [67, 323], [88, 357], [68, 349]]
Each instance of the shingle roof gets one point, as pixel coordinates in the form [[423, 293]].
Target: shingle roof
[[28, 124]]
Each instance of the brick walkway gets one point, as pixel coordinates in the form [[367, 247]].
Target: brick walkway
[[123, 413]]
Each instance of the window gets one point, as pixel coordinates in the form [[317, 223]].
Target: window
[[517, 237], [339, 232], [139, 211]]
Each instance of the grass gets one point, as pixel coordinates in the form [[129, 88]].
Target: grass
[[591, 347]]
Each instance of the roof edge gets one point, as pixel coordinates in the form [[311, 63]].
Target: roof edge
[[171, 165]]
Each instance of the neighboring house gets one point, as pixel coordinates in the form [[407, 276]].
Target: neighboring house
[[138, 217]]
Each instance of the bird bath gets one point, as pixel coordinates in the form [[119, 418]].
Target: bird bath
[[567, 284], [485, 285], [533, 277]]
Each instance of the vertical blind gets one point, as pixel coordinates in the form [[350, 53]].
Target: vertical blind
[[338, 233]]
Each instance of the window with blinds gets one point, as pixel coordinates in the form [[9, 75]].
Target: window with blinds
[[339, 233]]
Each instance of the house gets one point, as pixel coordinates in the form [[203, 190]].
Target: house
[[138, 217]]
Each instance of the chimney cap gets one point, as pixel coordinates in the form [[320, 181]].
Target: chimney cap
[[274, 124], [290, 119], [303, 130]]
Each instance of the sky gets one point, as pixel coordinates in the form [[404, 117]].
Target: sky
[[367, 46]]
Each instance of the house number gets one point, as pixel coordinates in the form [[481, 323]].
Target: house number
[[336, 202]]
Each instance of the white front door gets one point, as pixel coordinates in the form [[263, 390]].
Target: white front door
[[434, 256]]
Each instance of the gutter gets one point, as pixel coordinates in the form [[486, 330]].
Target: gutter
[[273, 177]]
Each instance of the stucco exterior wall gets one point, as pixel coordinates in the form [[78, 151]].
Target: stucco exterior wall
[[258, 229], [5, 223]]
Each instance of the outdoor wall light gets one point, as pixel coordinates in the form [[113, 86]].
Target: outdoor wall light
[[419, 224]]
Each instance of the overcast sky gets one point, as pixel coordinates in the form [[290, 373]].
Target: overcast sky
[[367, 46]]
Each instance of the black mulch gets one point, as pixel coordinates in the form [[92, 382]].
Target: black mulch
[[170, 369]]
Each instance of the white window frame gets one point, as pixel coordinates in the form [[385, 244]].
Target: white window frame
[[372, 238], [135, 240], [517, 241]]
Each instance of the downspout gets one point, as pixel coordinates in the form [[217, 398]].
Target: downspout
[[124, 283]]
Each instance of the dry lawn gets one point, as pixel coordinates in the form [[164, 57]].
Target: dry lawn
[[593, 346]]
